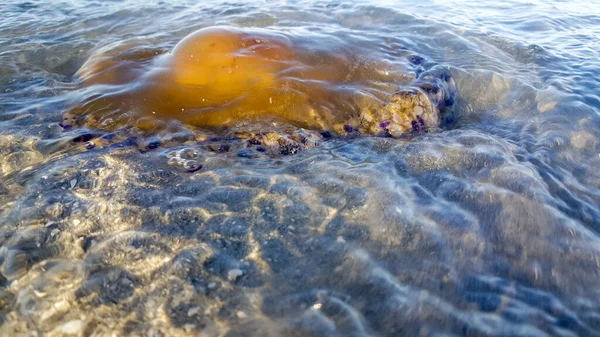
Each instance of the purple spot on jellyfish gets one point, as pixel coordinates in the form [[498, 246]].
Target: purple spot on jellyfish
[[384, 124], [326, 134], [415, 126], [348, 128], [86, 137], [289, 149], [224, 148], [130, 141]]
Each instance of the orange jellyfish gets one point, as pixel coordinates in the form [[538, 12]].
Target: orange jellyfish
[[226, 77]]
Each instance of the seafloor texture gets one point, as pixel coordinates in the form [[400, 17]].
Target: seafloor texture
[[487, 226]]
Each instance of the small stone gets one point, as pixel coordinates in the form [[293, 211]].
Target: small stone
[[126, 282], [241, 315], [193, 311], [212, 285], [233, 274], [72, 327], [62, 305], [39, 294]]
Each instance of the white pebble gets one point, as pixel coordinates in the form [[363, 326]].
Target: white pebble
[[39, 294], [233, 274], [193, 311], [72, 327]]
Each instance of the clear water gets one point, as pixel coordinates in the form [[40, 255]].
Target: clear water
[[488, 227]]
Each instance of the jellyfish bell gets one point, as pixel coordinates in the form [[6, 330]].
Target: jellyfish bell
[[227, 77], [226, 59]]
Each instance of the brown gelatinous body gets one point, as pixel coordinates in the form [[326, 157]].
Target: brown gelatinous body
[[224, 77]]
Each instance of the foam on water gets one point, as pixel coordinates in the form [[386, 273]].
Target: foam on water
[[486, 227]]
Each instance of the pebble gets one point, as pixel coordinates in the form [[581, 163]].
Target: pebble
[[247, 153], [72, 327], [39, 294], [233, 274], [193, 311]]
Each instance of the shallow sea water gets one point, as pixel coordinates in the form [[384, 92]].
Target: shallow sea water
[[488, 226]]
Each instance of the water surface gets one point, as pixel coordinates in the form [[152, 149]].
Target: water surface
[[487, 226]]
